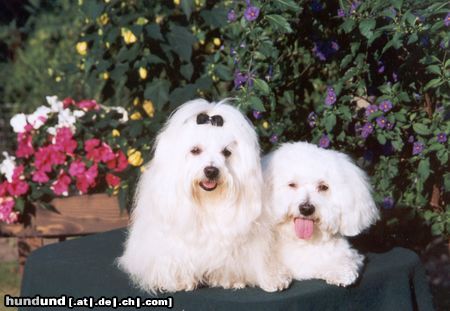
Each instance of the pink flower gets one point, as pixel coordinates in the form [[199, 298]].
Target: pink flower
[[119, 163], [87, 180], [77, 168], [18, 172], [6, 211], [24, 145], [61, 185], [64, 140], [88, 104], [90, 144], [3, 188], [48, 156], [40, 177], [68, 101], [106, 153], [17, 188], [112, 180]]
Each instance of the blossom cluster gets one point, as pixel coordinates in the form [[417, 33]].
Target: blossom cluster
[[53, 157]]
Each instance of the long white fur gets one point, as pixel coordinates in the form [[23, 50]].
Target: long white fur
[[182, 236], [345, 209]]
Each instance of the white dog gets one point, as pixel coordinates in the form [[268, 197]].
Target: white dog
[[317, 197], [198, 209]]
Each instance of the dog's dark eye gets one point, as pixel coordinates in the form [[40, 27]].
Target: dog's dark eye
[[292, 185], [322, 188], [226, 153], [196, 150]]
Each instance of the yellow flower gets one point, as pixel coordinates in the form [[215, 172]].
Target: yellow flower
[[136, 101], [266, 125], [128, 36], [81, 48], [215, 78], [104, 19], [58, 79], [159, 19], [115, 133], [136, 116], [108, 45], [105, 75], [143, 73], [217, 42], [143, 168], [176, 2], [135, 157], [149, 108], [202, 41]]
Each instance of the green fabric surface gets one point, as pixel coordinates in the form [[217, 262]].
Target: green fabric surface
[[86, 267]]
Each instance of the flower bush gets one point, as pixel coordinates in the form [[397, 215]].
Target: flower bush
[[370, 78], [65, 147]]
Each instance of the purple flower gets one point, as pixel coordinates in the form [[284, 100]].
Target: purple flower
[[389, 125], [316, 6], [239, 79], [394, 77], [447, 20], [381, 67], [231, 16], [411, 139], [385, 105], [388, 203], [371, 109], [331, 96], [441, 138], [335, 45], [312, 118], [324, 142], [273, 139], [318, 53], [341, 13], [354, 6], [417, 147], [442, 45], [257, 114], [366, 130], [381, 121], [251, 13]]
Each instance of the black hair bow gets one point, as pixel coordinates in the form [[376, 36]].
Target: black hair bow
[[216, 120]]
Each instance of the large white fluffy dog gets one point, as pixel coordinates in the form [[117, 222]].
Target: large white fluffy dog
[[197, 211], [317, 197]]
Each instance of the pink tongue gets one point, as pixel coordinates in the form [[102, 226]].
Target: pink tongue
[[209, 184], [303, 228]]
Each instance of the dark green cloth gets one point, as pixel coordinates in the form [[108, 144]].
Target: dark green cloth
[[85, 267]]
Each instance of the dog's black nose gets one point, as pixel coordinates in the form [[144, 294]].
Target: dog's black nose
[[211, 172], [306, 209]]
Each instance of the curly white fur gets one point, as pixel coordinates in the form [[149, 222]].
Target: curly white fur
[[183, 235], [301, 178]]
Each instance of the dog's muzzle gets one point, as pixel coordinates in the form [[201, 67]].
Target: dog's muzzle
[[211, 174], [306, 209]]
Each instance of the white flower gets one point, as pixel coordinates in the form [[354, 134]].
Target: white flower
[[7, 166], [66, 119], [51, 130], [18, 122], [78, 113], [122, 111], [38, 118], [55, 104]]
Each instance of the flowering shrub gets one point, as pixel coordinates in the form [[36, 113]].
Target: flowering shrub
[[63, 148], [370, 78]]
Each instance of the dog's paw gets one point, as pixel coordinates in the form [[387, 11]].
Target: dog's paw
[[344, 276], [276, 283]]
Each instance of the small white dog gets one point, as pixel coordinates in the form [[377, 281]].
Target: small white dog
[[197, 215], [316, 197]]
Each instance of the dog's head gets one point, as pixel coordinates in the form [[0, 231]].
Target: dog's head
[[207, 154], [316, 189]]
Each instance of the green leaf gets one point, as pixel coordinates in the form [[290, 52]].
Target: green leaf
[[262, 86], [181, 95], [434, 69], [256, 103], [217, 17], [154, 32], [118, 73], [20, 204], [424, 169], [433, 83], [186, 6], [421, 129], [187, 70], [397, 4], [158, 92], [366, 27], [413, 38], [397, 144], [381, 139], [348, 25], [224, 72], [279, 22], [181, 41], [330, 122], [288, 4]]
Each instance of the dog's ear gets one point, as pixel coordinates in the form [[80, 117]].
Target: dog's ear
[[358, 210]]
